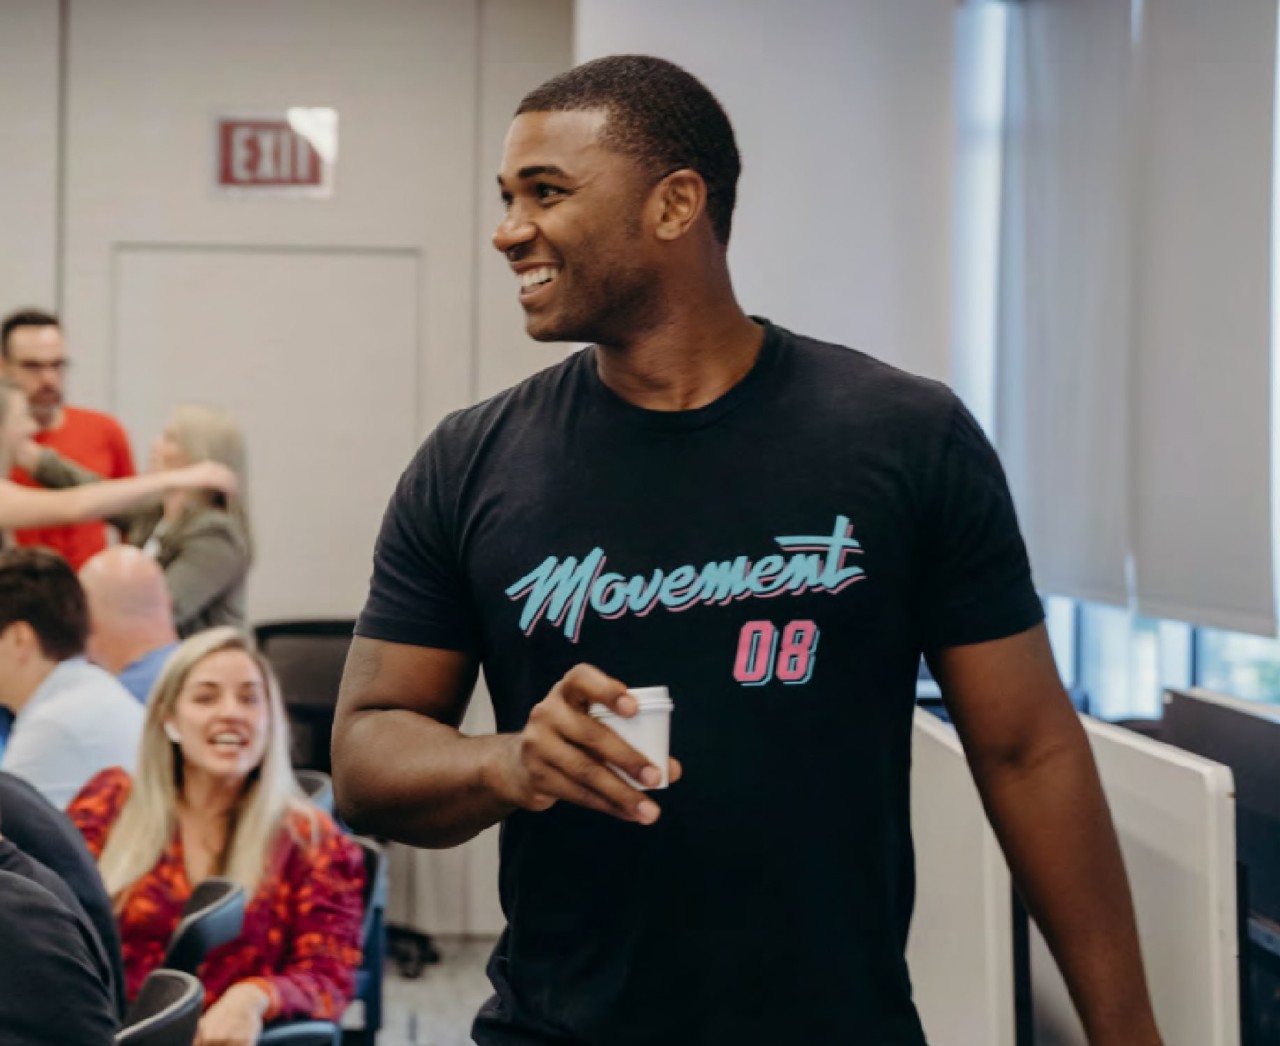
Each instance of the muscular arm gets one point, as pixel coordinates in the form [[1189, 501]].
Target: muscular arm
[[1034, 769], [401, 766]]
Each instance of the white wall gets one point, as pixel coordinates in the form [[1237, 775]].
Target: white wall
[[843, 114], [338, 332], [28, 152]]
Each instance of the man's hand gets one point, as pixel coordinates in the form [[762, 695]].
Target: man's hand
[[235, 1019], [563, 753]]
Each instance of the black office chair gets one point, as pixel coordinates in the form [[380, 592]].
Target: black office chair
[[368, 987], [166, 1011], [308, 658], [369, 976], [318, 787], [212, 916]]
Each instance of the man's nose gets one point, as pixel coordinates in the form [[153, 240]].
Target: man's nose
[[512, 232]]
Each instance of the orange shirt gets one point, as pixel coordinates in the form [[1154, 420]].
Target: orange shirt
[[97, 442], [301, 936]]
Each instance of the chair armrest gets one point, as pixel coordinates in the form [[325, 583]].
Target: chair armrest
[[301, 1033]]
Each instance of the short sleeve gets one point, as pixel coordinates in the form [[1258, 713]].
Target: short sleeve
[[976, 584], [97, 805], [418, 593]]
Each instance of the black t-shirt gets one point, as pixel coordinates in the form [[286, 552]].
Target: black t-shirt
[[54, 983], [42, 831], [779, 559]]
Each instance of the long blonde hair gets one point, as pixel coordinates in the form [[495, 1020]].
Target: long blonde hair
[[208, 434], [148, 818]]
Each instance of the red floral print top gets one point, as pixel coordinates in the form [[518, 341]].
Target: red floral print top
[[301, 937]]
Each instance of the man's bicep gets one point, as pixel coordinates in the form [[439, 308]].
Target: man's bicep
[[381, 675], [1005, 696]]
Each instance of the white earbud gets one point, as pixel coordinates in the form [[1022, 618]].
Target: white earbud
[[171, 732]]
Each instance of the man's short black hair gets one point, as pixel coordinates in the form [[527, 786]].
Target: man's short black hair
[[24, 318], [39, 587], [658, 114]]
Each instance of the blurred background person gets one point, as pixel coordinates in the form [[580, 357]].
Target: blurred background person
[[214, 794], [202, 539], [72, 719], [23, 507], [131, 630], [33, 354]]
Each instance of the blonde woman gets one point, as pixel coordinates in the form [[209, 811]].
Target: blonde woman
[[214, 795], [201, 539], [23, 507]]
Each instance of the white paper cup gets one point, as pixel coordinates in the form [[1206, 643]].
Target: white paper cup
[[648, 731]]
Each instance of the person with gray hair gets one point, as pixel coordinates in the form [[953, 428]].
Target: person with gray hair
[[131, 629]]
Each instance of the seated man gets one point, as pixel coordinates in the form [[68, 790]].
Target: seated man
[[131, 629], [72, 719], [55, 981], [45, 834]]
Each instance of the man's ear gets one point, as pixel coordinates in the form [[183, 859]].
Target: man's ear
[[680, 199], [20, 636]]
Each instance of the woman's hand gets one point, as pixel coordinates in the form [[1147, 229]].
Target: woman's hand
[[235, 1019], [27, 455], [205, 475]]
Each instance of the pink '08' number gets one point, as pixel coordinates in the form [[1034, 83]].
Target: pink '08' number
[[757, 644], [795, 658], [759, 652]]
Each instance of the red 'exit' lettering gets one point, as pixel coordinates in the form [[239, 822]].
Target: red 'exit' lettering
[[265, 153]]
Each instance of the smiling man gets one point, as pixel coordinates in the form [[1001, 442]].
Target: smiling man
[[774, 528]]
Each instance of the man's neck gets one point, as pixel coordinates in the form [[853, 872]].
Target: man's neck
[[52, 423], [691, 358], [135, 644], [22, 687]]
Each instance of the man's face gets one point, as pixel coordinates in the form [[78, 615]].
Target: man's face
[[37, 360], [574, 231]]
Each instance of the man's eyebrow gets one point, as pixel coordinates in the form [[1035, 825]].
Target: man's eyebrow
[[538, 170]]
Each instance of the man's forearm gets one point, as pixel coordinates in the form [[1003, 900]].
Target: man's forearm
[[1052, 819], [409, 778]]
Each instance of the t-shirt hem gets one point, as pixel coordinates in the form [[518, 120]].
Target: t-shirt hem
[[1016, 616]]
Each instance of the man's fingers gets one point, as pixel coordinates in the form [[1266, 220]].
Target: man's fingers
[[585, 685], [582, 781], [595, 737]]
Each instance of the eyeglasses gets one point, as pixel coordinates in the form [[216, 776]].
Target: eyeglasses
[[36, 366]]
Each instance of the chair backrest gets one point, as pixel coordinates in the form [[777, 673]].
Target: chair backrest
[[375, 880], [166, 1011], [318, 787], [212, 916], [41, 830], [308, 657]]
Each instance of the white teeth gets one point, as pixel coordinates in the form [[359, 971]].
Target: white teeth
[[537, 277], [228, 739]]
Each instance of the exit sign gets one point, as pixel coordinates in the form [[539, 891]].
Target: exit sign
[[288, 152]]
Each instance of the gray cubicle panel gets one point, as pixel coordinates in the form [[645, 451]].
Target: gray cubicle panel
[[961, 946], [1175, 816]]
